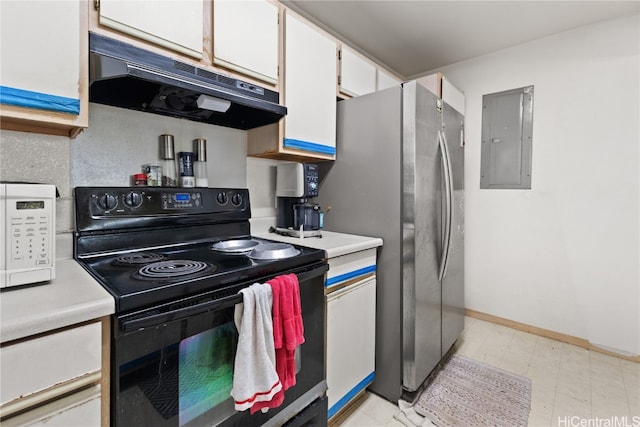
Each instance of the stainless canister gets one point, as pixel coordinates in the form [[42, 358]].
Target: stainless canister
[[168, 158]]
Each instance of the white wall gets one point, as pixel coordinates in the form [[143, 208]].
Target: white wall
[[564, 255]]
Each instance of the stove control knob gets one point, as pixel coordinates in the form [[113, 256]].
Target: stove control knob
[[222, 198], [236, 199], [107, 202], [133, 199]]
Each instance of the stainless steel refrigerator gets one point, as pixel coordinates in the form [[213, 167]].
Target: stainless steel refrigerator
[[399, 175]]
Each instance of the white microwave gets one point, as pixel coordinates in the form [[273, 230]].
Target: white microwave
[[27, 234]]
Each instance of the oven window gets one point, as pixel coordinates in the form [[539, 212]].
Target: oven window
[[177, 373], [205, 370]]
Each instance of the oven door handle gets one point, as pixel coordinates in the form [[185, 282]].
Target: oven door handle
[[311, 273], [160, 319], [179, 314]]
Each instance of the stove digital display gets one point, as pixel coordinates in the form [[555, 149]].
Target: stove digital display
[[182, 200]]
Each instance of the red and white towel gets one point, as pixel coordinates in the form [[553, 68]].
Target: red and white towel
[[270, 327], [255, 379], [288, 333]]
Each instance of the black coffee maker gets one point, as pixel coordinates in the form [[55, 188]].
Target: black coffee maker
[[295, 184]]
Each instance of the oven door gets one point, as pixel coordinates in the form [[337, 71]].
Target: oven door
[[173, 364]]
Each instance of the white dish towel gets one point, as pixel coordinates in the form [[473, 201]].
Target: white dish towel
[[254, 375]]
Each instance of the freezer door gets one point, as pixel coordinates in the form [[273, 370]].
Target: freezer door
[[453, 280], [422, 230]]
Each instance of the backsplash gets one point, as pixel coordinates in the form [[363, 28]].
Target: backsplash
[[118, 142], [115, 146], [32, 157]]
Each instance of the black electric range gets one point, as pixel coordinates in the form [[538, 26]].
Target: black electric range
[[170, 258]]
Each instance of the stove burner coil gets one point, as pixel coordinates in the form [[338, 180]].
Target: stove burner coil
[[140, 258], [173, 269]]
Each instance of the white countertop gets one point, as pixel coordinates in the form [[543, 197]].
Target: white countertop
[[334, 244], [72, 297]]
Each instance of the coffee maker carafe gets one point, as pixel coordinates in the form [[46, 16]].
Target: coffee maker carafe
[[295, 184]]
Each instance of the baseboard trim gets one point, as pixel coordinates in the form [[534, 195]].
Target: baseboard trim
[[569, 339], [345, 412]]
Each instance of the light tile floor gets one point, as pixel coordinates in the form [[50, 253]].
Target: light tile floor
[[570, 386]]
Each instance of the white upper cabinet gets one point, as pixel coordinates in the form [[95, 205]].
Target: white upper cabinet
[[307, 82], [357, 74], [452, 95], [440, 86], [245, 37], [386, 80], [310, 83], [31, 54], [175, 25], [43, 66]]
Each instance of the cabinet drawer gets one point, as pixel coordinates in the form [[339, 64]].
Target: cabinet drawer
[[350, 267], [81, 409], [38, 364]]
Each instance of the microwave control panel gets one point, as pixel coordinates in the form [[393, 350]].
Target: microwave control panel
[[28, 234]]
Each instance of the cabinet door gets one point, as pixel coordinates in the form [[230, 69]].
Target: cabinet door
[[351, 320], [309, 87], [386, 80], [357, 75], [245, 37], [42, 56], [452, 95], [176, 25], [43, 78]]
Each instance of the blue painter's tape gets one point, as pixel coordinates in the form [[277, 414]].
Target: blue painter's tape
[[351, 394], [309, 146], [40, 101], [350, 275]]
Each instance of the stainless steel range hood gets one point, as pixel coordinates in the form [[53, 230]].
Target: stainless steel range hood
[[126, 76]]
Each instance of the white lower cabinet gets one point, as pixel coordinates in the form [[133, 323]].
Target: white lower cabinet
[[55, 379], [351, 320], [350, 342]]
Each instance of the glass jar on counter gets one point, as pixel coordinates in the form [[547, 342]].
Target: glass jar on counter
[[200, 162]]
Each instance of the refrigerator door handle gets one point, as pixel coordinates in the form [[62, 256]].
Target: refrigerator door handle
[[446, 164]]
